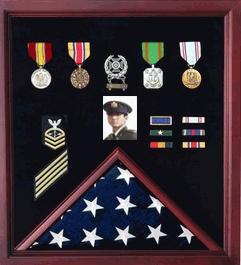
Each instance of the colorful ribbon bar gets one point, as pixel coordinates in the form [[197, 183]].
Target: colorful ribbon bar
[[193, 145], [40, 52], [152, 52], [79, 51], [193, 119], [190, 51], [160, 132], [160, 120], [193, 132], [154, 145]]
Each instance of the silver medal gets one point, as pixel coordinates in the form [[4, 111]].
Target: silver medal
[[116, 68], [41, 78], [153, 78]]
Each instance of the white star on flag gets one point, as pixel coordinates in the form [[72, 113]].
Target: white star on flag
[[156, 233], [125, 204], [91, 237], [92, 206], [160, 132], [156, 204], [125, 174], [124, 234], [58, 238], [98, 181], [186, 233]]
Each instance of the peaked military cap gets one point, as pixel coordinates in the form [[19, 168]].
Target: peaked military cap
[[117, 107]]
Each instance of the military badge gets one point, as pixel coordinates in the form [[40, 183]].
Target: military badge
[[53, 131], [116, 68], [79, 52], [191, 53], [152, 52], [41, 53]]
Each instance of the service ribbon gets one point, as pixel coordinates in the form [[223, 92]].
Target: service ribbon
[[40, 52], [152, 52], [190, 51], [79, 51]]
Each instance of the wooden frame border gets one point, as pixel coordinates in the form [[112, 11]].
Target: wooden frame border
[[230, 11]]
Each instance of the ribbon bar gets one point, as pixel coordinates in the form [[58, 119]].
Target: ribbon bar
[[160, 120], [161, 145], [193, 119], [160, 132], [193, 132], [194, 145]]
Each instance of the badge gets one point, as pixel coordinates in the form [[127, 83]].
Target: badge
[[191, 53], [79, 52], [41, 53], [152, 52], [160, 133], [116, 68], [54, 137]]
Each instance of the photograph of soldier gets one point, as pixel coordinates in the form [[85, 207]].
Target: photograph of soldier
[[117, 113]]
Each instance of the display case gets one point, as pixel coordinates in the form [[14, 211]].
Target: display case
[[120, 132]]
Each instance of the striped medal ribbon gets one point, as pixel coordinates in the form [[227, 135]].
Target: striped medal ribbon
[[152, 52], [79, 52], [191, 52], [41, 53]]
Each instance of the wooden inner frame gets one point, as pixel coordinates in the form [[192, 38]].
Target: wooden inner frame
[[230, 11]]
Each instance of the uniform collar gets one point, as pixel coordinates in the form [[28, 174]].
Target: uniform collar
[[122, 127]]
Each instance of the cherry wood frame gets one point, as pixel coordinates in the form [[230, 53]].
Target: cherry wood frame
[[230, 11]]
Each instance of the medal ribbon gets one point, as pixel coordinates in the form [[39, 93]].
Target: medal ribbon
[[40, 52], [152, 52], [190, 51], [79, 51]]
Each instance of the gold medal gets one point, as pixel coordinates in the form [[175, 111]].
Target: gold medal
[[191, 78], [80, 78]]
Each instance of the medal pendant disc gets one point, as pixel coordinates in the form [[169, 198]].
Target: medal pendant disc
[[80, 78], [41, 78], [191, 78], [153, 78]]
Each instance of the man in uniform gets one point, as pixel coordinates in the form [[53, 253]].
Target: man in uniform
[[117, 115]]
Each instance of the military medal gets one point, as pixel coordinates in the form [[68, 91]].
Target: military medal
[[41, 53], [191, 53], [79, 52], [116, 68], [152, 52]]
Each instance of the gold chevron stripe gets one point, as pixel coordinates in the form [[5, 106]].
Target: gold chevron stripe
[[54, 142], [50, 165], [55, 147], [50, 183], [51, 171], [41, 185]]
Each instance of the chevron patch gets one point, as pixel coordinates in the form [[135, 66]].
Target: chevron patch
[[50, 174]]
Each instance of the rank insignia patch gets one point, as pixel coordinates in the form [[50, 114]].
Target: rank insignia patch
[[53, 133], [160, 120], [50, 174]]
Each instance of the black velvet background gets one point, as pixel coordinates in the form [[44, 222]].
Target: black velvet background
[[193, 178]]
